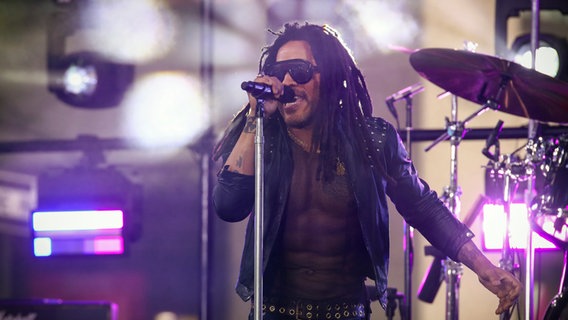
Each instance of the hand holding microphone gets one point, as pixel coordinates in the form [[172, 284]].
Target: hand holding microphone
[[267, 89], [264, 91]]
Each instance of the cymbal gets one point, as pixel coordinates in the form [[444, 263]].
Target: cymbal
[[479, 78]]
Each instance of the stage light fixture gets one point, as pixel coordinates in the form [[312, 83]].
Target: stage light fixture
[[506, 9], [85, 211], [493, 228], [494, 218], [551, 55], [83, 231], [80, 77], [85, 79]]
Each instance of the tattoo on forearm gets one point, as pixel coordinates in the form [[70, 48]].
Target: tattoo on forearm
[[250, 125], [239, 162]]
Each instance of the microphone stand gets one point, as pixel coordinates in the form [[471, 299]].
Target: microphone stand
[[408, 230], [258, 207], [406, 303]]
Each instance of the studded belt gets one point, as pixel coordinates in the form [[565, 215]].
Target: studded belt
[[305, 309]]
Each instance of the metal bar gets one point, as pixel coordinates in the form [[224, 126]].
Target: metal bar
[[259, 210], [453, 269], [206, 74], [408, 230], [83, 143], [529, 256]]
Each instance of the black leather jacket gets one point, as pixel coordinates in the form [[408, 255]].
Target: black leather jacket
[[233, 200]]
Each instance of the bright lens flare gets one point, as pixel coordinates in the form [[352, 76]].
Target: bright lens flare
[[165, 109], [80, 80], [384, 23]]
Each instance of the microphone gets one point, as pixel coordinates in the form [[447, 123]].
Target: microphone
[[494, 135], [392, 109], [493, 140], [407, 92], [264, 91]]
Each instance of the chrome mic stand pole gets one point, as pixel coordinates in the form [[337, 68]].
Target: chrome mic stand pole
[[408, 230], [258, 208]]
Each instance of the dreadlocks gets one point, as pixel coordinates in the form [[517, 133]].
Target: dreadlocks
[[344, 95]]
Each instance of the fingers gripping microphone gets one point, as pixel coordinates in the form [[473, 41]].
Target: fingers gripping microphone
[[264, 91]]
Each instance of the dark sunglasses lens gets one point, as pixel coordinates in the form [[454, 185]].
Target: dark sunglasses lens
[[300, 71], [279, 71]]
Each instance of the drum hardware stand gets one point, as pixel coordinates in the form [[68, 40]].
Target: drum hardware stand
[[555, 309], [455, 130], [533, 125], [507, 260], [512, 173], [545, 204], [392, 296], [453, 270]]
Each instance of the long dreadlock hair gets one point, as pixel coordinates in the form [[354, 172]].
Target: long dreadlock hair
[[344, 98]]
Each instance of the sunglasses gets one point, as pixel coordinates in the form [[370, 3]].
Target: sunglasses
[[300, 70]]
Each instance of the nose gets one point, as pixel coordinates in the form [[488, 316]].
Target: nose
[[288, 80]]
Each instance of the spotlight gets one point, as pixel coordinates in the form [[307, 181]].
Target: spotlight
[[81, 78], [84, 79], [494, 221], [550, 19], [551, 55], [494, 217]]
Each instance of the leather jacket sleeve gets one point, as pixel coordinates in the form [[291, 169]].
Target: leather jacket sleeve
[[233, 195]]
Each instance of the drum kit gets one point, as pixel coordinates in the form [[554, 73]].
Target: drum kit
[[505, 86]]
